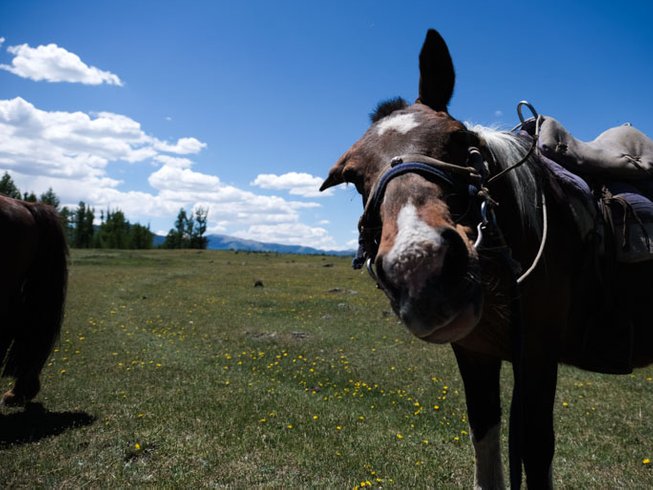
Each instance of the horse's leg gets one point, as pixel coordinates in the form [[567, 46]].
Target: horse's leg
[[26, 386], [17, 342], [531, 415], [6, 337], [20, 360], [24, 390], [480, 375]]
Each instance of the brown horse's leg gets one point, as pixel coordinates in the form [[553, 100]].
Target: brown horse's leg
[[20, 365], [482, 392], [18, 338], [27, 383], [24, 390]]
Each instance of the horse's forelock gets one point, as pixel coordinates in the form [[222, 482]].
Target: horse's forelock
[[507, 149], [387, 107]]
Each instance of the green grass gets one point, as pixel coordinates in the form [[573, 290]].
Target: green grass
[[173, 370]]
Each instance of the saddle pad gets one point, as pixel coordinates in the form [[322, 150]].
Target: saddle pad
[[622, 152], [573, 190]]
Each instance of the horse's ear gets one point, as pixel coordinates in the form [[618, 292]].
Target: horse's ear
[[437, 75], [335, 176]]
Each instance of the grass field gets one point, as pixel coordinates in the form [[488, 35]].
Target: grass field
[[173, 370]]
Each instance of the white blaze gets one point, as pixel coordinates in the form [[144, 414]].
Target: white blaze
[[402, 123], [415, 242]]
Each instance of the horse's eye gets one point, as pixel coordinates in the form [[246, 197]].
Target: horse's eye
[[351, 177], [458, 205]]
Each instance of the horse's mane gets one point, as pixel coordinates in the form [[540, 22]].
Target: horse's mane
[[507, 148]]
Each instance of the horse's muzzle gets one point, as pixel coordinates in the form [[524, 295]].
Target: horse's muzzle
[[433, 287]]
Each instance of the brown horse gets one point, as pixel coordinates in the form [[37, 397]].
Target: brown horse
[[453, 215], [34, 264]]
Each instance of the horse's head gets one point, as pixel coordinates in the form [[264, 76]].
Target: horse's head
[[419, 226]]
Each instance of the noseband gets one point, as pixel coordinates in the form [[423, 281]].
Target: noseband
[[469, 180]]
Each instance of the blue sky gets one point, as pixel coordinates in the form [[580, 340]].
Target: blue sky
[[242, 107]]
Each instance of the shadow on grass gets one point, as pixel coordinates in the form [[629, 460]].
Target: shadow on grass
[[35, 423]]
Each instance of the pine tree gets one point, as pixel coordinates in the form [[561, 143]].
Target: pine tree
[[140, 236], [175, 237], [49, 197], [198, 240], [8, 187], [68, 220], [30, 197], [188, 231], [117, 230], [83, 231]]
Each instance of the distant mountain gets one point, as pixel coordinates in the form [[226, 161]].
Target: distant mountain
[[225, 242]]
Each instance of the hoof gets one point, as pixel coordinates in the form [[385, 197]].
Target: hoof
[[9, 399]]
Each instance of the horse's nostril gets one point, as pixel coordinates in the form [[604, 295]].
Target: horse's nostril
[[379, 272], [456, 259]]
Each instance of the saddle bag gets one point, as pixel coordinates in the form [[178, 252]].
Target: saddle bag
[[628, 220]]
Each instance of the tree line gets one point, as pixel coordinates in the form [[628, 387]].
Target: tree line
[[114, 230]]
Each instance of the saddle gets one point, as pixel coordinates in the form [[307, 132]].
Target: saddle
[[621, 153], [607, 185], [616, 172]]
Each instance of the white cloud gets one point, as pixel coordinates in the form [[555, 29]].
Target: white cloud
[[183, 179], [177, 162], [75, 153], [298, 184], [229, 204], [183, 146], [76, 144], [52, 63], [2, 41]]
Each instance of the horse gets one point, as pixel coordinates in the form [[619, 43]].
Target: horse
[[34, 264], [470, 238]]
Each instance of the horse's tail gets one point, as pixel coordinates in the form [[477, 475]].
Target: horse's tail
[[43, 297]]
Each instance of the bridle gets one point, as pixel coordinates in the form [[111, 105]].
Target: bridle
[[471, 180], [466, 180]]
